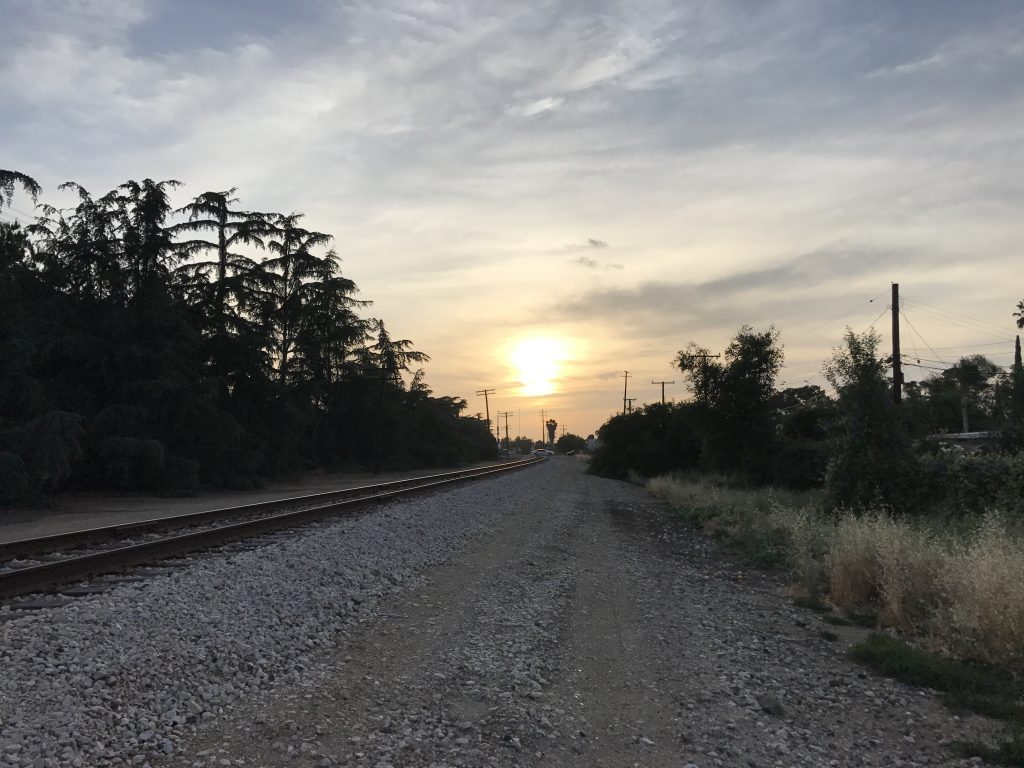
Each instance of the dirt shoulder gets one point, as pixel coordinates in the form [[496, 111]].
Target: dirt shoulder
[[587, 631]]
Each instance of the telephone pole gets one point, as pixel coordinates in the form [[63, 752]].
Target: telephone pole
[[542, 428], [630, 401], [625, 386], [663, 383], [487, 406], [897, 368], [506, 414]]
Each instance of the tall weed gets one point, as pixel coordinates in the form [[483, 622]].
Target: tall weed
[[961, 588]]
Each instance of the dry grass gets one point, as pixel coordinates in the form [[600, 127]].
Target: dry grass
[[961, 589]]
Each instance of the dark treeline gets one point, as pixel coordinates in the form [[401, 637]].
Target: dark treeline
[[148, 347], [858, 444]]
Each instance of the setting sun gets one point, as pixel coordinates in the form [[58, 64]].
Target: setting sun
[[537, 364]]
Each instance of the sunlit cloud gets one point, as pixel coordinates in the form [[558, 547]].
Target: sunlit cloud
[[488, 170]]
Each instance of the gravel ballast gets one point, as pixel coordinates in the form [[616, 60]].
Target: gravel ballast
[[540, 618]]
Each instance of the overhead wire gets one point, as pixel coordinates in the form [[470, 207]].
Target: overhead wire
[[958, 314], [923, 339], [872, 323], [967, 325], [844, 314]]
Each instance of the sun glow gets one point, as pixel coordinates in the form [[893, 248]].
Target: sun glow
[[537, 363]]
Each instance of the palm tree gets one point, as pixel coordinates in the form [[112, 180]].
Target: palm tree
[[1019, 314]]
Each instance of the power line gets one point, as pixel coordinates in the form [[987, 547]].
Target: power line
[[872, 323], [982, 344], [914, 329], [958, 323], [960, 314], [844, 314]]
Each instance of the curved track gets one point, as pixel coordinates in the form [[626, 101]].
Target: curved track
[[117, 547]]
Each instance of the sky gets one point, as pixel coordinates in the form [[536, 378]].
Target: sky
[[544, 194]]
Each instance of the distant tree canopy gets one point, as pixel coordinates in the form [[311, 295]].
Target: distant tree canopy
[[734, 396], [151, 347], [570, 443], [857, 442]]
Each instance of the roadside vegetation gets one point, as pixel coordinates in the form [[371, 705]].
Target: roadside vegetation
[[876, 522], [151, 347]]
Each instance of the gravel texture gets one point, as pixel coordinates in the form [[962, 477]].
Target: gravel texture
[[543, 618]]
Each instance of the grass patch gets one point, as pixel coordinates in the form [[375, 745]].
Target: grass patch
[[970, 686], [811, 604], [1010, 752]]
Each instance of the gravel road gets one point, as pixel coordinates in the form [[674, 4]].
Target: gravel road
[[543, 618]]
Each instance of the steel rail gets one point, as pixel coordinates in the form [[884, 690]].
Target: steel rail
[[47, 576], [56, 542]]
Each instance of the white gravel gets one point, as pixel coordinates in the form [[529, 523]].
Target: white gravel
[[117, 678]]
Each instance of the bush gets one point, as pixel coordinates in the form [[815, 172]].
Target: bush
[[129, 463], [14, 479], [651, 441], [984, 580], [799, 464]]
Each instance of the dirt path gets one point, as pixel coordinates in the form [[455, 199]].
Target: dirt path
[[585, 631]]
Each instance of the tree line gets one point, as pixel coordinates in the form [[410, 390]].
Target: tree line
[[148, 346], [856, 443]]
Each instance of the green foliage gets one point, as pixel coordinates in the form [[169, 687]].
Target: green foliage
[[650, 441], [987, 690], [144, 353], [872, 462], [953, 484], [735, 397], [570, 443], [14, 479]]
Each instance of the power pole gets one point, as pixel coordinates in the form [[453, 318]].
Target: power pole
[[630, 401], [543, 426], [487, 406], [506, 414], [897, 368], [663, 383], [625, 386]]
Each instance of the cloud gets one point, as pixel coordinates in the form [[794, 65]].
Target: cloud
[[586, 261], [596, 243]]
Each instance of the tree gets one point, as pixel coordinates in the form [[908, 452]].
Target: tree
[[972, 376], [871, 459], [551, 425], [11, 179], [291, 267], [225, 288], [1019, 314], [570, 443], [735, 399]]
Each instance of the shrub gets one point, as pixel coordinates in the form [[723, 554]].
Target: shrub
[[984, 578], [14, 479], [129, 463]]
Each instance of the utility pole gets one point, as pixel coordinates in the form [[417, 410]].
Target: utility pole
[[897, 368], [625, 386], [487, 406], [506, 414], [630, 401], [663, 383], [543, 426]]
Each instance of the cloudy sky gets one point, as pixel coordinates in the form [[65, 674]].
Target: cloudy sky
[[572, 188]]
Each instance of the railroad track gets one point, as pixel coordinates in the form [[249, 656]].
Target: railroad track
[[50, 562]]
